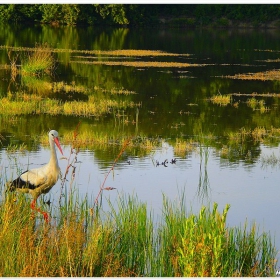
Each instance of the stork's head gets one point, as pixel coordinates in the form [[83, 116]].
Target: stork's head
[[53, 136]]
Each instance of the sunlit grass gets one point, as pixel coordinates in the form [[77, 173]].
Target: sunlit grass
[[263, 76], [210, 249], [183, 147], [92, 139], [35, 104], [142, 63], [257, 134], [128, 52], [257, 104], [11, 148], [72, 87], [125, 241], [115, 91], [39, 61], [221, 100]]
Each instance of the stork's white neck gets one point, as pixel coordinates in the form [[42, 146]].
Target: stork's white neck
[[53, 160]]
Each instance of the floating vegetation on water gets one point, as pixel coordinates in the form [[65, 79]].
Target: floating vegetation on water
[[222, 100], [263, 76], [142, 63], [114, 91], [72, 87], [257, 104], [183, 147], [128, 52], [255, 94], [35, 104], [96, 140], [258, 134]]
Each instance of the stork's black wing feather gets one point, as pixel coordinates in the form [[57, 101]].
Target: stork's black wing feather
[[18, 183]]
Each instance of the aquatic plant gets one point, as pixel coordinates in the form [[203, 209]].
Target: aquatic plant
[[140, 63], [22, 103], [85, 240], [182, 147], [13, 59], [11, 148], [128, 52], [209, 248], [124, 241], [39, 61], [263, 76], [221, 100]]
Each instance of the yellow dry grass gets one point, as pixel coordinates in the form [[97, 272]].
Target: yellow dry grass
[[263, 76], [140, 63], [221, 100], [128, 52]]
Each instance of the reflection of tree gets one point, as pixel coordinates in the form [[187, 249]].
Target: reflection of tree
[[173, 104]]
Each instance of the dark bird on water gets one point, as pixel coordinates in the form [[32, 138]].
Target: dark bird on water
[[39, 181]]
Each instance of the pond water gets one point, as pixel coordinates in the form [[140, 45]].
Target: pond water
[[174, 104]]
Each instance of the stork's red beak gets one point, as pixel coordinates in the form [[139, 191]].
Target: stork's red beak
[[56, 141]]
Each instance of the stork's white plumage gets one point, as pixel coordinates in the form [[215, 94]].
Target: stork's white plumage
[[40, 180]]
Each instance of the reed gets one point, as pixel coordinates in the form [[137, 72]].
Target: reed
[[222, 100], [14, 69], [126, 241], [22, 104], [209, 248], [39, 61], [183, 147]]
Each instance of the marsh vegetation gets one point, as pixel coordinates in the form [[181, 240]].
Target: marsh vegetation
[[154, 117], [127, 241]]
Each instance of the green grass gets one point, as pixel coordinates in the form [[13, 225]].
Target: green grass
[[39, 61], [125, 241], [222, 100], [24, 104]]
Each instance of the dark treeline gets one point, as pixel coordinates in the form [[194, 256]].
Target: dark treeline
[[139, 14]]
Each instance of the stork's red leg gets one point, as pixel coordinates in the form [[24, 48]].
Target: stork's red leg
[[33, 204], [46, 217]]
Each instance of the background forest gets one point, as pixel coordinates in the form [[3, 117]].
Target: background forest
[[142, 14]]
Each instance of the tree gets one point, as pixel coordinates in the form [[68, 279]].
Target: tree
[[115, 12]]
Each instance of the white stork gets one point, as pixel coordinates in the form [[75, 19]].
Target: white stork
[[39, 180]]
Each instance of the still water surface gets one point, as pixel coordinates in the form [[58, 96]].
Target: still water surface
[[174, 103]]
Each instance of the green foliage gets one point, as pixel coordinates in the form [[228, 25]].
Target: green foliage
[[137, 14], [51, 12], [60, 13], [70, 13], [116, 12], [210, 249], [19, 13], [7, 11]]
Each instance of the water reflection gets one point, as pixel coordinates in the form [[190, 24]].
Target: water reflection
[[203, 190], [219, 148]]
